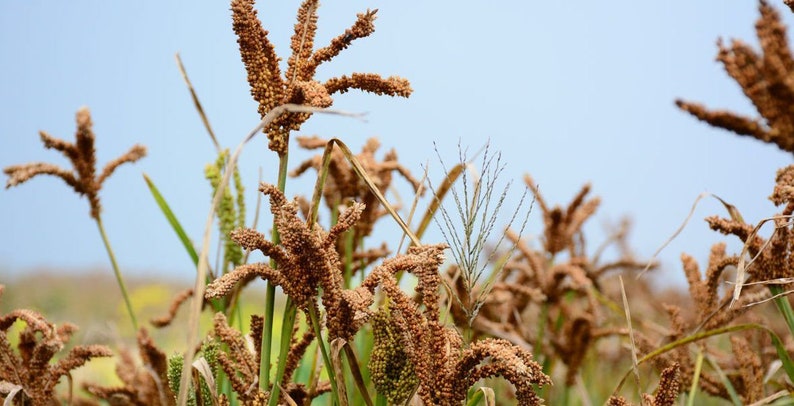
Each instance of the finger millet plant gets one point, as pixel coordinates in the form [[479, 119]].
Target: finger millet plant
[[397, 323]]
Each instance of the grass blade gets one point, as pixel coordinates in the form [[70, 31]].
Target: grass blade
[[352, 361], [485, 394], [336, 362], [735, 398], [172, 220]]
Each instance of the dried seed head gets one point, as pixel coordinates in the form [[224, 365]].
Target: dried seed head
[[82, 154], [765, 80], [298, 85]]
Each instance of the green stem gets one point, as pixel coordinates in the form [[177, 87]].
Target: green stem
[[315, 320], [270, 296], [695, 379], [116, 270], [783, 306], [288, 322]]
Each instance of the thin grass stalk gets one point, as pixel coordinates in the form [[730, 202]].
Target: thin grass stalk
[[363, 175], [270, 295], [634, 363], [201, 271], [197, 103], [315, 322], [779, 347], [117, 272], [442, 190], [287, 323], [735, 398], [695, 379]]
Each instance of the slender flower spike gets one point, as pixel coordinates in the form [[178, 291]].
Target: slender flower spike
[[298, 86], [82, 178]]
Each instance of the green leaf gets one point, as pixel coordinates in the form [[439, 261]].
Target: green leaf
[[169, 215]]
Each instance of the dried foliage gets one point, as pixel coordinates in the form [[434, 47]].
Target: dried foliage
[[239, 363], [298, 84], [517, 313], [765, 79], [666, 393], [344, 185], [142, 384], [307, 260], [30, 367], [538, 286], [82, 154]]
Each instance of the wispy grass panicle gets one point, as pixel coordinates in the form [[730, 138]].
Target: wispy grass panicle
[[467, 229]]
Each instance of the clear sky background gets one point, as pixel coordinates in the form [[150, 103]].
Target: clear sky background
[[570, 92]]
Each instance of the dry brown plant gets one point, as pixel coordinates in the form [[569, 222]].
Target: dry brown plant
[[142, 384], [344, 185], [765, 79], [82, 154], [445, 368], [547, 301], [29, 373], [666, 392], [307, 260], [709, 311], [240, 364], [298, 85]]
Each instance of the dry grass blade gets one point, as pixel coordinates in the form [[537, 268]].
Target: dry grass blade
[[411, 212], [786, 293], [438, 196], [352, 361], [201, 272], [363, 175], [290, 401], [680, 228], [771, 398], [336, 360], [197, 103], [743, 264], [203, 368], [634, 362], [11, 391]]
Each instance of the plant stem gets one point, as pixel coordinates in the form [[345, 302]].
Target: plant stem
[[288, 322], [315, 321], [116, 271], [270, 296], [783, 306]]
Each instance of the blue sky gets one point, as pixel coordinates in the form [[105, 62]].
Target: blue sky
[[570, 92]]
